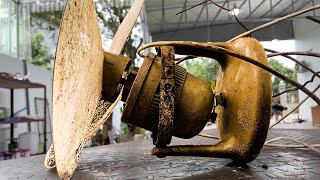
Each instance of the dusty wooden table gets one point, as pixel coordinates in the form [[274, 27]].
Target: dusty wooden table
[[133, 161]]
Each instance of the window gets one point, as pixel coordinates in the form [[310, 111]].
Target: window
[[8, 30]]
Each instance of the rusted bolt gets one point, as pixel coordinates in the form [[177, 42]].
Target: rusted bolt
[[167, 87], [220, 100]]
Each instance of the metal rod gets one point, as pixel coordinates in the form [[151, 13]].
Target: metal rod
[[195, 24], [45, 121], [255, 9], [228, 6], [163, 16], [292, 59], [10, 30], [304, 85], [250, 9], [217, 13], [271, 8], [214, 48], [24, 61], [184, 7], [11, 114], [275, 22], [305, 4], [303, 53], [191, 4], [290, 6], [284, 117], [314, 12], [17, 19], [313, 19]]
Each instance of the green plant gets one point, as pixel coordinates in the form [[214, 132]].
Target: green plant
[[203, 68], [111, 17], [40, 53], [289, 72], [48, 21]]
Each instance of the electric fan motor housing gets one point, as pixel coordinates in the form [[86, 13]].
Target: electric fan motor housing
[[193, 100]]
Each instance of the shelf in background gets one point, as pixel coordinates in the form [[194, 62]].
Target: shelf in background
[[11, 83], [21, 120]]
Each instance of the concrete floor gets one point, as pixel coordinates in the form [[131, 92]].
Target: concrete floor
[[133, 160]]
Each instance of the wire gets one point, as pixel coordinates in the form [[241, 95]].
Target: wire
[[208, 136], [218, 49], [268, 143], [286, 55], [295, 89], [192, 7], [303, 144], [180, 60], [304, 53], [292, 59], [216, 4], [277, 122]]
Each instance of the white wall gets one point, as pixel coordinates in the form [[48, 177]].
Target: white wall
[[37, 74], [307, 35]]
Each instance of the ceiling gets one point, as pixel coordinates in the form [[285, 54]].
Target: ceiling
[[207, 18], [207, 22]]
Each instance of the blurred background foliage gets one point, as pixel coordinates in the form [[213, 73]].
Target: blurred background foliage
[[289, 72], [40, 53], [204, 68]]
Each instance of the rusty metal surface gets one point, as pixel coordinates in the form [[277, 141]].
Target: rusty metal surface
[[133, 98], [113, 68], [192, 105], [244, 119], [134, 161], [167, 97]]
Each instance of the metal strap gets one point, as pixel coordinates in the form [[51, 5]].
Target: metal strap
[[166, 105]]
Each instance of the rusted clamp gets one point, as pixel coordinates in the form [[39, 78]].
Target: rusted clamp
[[166, 105]]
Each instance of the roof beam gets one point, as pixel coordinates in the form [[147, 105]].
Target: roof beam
[[228, 7], [242, 4], [290, 6], [163, 20], [271, 8], [207, 12], [184, 7], [195, 24], [313, 4], [205, 24], [188, 5], [217, 13], [255, 9], [305, 4], [313, 19], [250, 10], [203, 28]]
